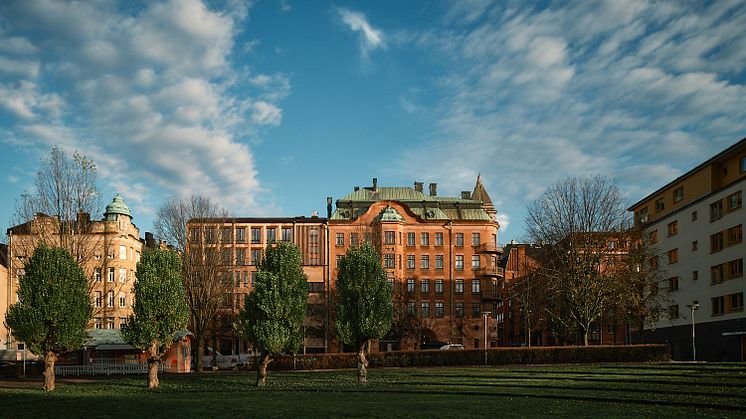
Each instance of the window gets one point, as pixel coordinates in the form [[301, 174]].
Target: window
[[271, 235], [110, 276], [653, 237], [673, 312], [673, 228], [425, 286], [240, 257], [459, 239], [122, 300], [736, 302], [642, 216], [340, 241], [225, 256], [678, 194], [476, 310], [253, 279], [459, 309], [287, 234], [438, 261], [735, 268], [110, 299], [338, 259], [412, 308], [210, 235], [353, 239], [389, 237], [425, 238], [660, 205], [410, 262], [718, 306], [245, 276], [743, 165], [98, 323], [673, 256], [97, 275], [98, 299], [716, 242], [439, 311], [256, 235], [459, 262], [459, 286], [122, 252], [256, 256], [695, 275], [717, 274], [122, 275], [368, 238], [410, 285], [389, 261], [475, 239], [194, 235], [673, 283], [225, 235], [653, 262], [716, 210], [240, 235], [735, 235], [439, 286], [110, 323], [238, 279], [425, 305], [425, 262], [475, 262], [694, 215], [122, 322], [476, 286], [439, 239], [734, 201], [410, 239], [694, 246]]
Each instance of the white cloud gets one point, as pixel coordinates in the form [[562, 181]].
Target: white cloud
[[370, 37], [266, 113], [17, 45]]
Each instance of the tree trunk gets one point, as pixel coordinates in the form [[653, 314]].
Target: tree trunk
[[261, 372], [49, 359], [214, 363], [362, 365], [153, 361], [585, 336], [200, 353]]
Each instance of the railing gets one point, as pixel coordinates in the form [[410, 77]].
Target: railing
[[490, 271], [104, 369], [489, 248]]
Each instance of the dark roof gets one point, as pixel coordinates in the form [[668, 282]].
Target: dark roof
[[531, 251], [711, 160], [262, 220], [480, 193]]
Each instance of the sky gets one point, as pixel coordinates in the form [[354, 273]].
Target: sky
[[271, 106]]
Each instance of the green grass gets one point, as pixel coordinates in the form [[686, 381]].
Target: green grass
[[620, 390]]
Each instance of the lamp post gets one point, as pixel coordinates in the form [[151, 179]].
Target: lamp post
[[693, 307], [485, 314]]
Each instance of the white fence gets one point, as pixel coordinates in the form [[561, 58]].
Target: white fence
[[104, 369]]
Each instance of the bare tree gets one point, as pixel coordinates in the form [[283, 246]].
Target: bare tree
[[577, 221], [193, 225], [406, 323]]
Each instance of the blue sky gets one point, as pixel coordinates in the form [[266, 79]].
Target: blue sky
[[270, 106]]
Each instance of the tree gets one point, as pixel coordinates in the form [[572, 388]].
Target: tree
[[364, 309], [274, 312], [576, 220], [190, 225], [405, 323], [53, 307], [160, 307]]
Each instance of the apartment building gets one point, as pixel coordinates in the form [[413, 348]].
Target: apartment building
[[108, 251], [442, 250], [240, 244], [4, 300], [696, 221]]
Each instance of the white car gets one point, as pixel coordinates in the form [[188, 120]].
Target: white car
[[451, 346]]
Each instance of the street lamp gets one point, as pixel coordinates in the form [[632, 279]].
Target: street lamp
[[485, 314], [693, 307]]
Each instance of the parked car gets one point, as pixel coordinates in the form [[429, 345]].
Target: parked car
[[226, 361], [451, 346]]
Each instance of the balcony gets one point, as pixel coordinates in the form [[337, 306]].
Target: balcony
[[488, 248], [490, 271]]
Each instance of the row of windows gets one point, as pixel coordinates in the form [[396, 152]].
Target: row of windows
[[718, 208], [389, 238], [110, 300], [726, 271], [727, 304], [99, 322], [124, 275], [256, 257], [226, 234], [458, 286], [439, 312], [725, 238]]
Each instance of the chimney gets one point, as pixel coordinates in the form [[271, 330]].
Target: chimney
[[465, 195], [418, 186], [375, 184], [433, 189], [329, 207], [149, 240]]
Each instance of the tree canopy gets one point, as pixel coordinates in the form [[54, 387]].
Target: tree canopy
[[160, 307], [53, 307]]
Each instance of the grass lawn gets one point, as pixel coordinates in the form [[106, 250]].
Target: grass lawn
[[618, 390]]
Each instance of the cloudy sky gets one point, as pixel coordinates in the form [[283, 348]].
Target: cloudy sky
[[270, 106]]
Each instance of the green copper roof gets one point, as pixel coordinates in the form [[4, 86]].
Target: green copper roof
[[390, 214], [118, 206]]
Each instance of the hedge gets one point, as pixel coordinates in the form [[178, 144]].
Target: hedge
[[495, 356]]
